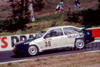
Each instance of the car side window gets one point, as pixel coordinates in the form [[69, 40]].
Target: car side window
[[54, 33], [70, 30]]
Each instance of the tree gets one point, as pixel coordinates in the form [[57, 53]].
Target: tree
[[30, 8], [98, 0], [38, 4], [22, 10]]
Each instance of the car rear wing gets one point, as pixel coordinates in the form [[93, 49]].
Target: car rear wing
[[95, 32]]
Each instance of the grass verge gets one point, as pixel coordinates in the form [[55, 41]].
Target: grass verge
[[41, 23], [77, 60]]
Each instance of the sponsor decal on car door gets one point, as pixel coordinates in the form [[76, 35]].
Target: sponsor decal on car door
[[70, 35]]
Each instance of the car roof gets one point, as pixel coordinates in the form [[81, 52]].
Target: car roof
[[60, 27]]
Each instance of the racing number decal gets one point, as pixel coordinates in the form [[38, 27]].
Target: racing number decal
[[48, 44]]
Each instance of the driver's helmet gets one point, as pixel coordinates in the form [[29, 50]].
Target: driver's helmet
[[52, 33]]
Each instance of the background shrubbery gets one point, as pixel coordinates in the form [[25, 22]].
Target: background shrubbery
[[45, 16]]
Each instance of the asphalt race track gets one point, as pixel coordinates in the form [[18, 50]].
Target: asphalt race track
[[7, 56]]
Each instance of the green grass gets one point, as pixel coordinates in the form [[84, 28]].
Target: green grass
[[39, 24], [43, 21], [58, 17]]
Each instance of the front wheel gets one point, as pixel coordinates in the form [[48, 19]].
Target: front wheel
[[32, 50], [79, 44]]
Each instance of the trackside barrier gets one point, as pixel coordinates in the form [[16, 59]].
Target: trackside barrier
[[8, 42]]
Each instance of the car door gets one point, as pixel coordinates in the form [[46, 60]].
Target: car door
[[70, 35], [54, 38]]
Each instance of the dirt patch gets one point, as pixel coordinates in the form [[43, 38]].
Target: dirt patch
[[5, 9], [96, 65]]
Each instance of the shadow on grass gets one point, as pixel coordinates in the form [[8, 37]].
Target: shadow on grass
[[86, 17], [11, 25], [14, 25]]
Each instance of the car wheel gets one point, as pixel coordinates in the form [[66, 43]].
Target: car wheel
[[79, 44], [32, 50]]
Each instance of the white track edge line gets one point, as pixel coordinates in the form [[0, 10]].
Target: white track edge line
[[41, 57], [14, 61], [92, 51]]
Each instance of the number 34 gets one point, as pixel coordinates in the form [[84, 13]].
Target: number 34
[[48, 44]]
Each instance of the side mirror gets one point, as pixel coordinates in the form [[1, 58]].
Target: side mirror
[[45, 37]]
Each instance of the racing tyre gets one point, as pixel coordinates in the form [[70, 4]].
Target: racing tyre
[[33, 50], [79, 44]]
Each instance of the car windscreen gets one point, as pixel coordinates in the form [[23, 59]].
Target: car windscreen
[[39, 35]]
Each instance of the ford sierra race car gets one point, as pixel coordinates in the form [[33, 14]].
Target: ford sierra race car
[[54, 37]]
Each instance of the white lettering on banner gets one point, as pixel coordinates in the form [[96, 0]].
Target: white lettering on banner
[[8, 42]]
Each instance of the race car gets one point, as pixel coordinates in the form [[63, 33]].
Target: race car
[[54, 37]]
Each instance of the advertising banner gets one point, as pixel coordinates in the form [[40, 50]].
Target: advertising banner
[[8, 42], [95, 32]]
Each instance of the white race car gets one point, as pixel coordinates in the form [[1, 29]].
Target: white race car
[[54, 37]]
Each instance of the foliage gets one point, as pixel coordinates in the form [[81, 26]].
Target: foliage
[[17, 26], [89, 17], [20, 10], [20, 14], [38, 4]]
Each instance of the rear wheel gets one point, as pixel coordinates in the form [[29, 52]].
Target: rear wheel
[[32, 50], [79, 44]]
